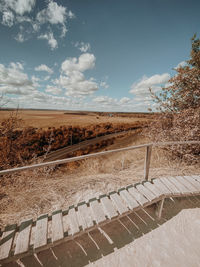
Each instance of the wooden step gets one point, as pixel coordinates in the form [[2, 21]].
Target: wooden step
[[49, 230]]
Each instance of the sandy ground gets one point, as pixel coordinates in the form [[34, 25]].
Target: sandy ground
[[175, 243]]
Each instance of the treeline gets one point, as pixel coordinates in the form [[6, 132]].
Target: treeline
[[17, 146]]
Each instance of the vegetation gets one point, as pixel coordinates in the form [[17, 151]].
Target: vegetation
[[19, 145], [179, 104]]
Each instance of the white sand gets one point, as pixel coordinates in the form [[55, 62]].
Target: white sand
[[174, 243]]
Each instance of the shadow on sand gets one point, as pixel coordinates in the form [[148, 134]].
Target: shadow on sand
[[102, 241]]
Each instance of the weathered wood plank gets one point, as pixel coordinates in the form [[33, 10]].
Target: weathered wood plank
[[179, 185], [187, 184], [147, 162], [137, 195], [159, 208], [57, 226], [108, 207], [6, 241], [97, 210], [118, 202], [193, 182], [143, 190], [170, 186], [196, 178], [23, 238], [153, 189], [165, 190], [85, 214], [41, 230], [73, 221], [131, 202]]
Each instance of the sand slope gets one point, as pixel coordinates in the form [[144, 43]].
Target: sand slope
[[174, 243]]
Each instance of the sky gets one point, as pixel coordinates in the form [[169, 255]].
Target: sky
[[100, 55]]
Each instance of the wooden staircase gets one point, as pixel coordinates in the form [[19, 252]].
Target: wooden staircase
[[19, 241]]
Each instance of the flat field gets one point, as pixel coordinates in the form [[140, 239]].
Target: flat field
[[51, 118]]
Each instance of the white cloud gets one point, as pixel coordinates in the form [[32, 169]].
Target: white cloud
[[105, 100], [106, 103], [50, 38], [18, 6], [8, 18], [140, 89], [35, 80], [71, 15], [14, 81], [104, 85], [16, 12], [124, 100], [181, 64], [53, 90], [20, 38], [45, 68], [83, 47], [85, 62], [55, 14], [76, 85], [155, 82], [17, 65], [72, 78], [21, 19], [46, 78]]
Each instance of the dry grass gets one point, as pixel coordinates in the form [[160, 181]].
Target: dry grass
[[31, 193], [45, 119]]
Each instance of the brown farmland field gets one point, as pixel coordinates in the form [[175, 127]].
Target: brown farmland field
[[52, 118], [33, 133]]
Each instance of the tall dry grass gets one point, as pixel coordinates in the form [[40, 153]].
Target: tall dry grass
[[30, 193]]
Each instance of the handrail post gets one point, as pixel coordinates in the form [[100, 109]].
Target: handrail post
[[147, 162]]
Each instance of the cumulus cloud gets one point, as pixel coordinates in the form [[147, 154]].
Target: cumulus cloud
[[53, 90], [44, 67], [72, 78], [14, 81], [50, 39], [8, 18], [20, 38], [85, 62], [46, 78], [181, 64], [105, 100], [17, 12], [35, 79], [140, 89], [83, 47], [104, 85], [55, 14], [18, 6], [106, 103], [17, 65], [155, 82], [124, 100]]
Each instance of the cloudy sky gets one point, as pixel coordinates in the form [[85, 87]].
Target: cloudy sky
[[92, 54]]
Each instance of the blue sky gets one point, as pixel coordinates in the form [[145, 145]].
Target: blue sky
[[92, 54]]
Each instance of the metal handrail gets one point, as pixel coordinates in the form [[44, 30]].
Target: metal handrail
[[62, 161]]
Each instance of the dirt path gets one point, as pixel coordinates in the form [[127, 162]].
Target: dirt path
[[63, 152]]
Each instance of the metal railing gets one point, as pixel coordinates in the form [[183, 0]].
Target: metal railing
[[148, 146]]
